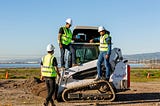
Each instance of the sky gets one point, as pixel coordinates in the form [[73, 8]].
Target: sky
[[28, 26]]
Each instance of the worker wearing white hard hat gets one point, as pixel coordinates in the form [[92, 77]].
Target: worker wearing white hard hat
[[50, 47], [97, 39], [49, 71], [105, 51], [64, 40], [101, 28], [69, 21]]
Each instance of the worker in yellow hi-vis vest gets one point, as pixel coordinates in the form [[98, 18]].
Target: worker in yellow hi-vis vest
[[64, 40], [49, 71], [105, 51]]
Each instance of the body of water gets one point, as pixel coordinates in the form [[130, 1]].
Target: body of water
[[36, 65], [137, 65]]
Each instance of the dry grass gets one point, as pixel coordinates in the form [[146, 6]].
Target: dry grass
[[144, 75]]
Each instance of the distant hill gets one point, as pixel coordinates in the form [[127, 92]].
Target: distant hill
[[145, 56]]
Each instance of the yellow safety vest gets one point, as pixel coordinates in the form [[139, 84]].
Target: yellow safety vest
[[48, 70], [67, 36], [103, 43]]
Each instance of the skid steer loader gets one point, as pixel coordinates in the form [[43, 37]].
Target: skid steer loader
[[77, 84]]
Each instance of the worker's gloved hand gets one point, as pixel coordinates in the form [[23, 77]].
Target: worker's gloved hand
[[60, 46], [42, 78], [59, 74], [107, 56], [91, 41]]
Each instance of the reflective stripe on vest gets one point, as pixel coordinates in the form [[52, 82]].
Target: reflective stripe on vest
[[67, 36], [48, 70], [103, 43]]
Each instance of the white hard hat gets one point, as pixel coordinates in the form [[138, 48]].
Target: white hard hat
[[50, 47], [69, 21], [101, 28]]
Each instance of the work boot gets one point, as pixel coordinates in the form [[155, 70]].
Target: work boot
[[97, 78], [45, 103], [74, 65], [107, 79], [52, 103], [62, 67]]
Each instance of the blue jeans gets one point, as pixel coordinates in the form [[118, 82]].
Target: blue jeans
[[62, 50], [69, 59], [101, 59]]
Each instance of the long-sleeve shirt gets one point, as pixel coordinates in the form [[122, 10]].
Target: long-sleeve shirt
[[108, 40]]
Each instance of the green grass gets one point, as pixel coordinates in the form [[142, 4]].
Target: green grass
[[20, 73], [137, 75], [140, 75]]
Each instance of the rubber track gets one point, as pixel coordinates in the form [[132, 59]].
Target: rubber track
[[81, 88]]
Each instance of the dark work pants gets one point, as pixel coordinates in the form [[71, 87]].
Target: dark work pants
[[50, 84]]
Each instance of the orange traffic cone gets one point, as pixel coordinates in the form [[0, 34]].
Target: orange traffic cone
[[7, 75], [148, 75]]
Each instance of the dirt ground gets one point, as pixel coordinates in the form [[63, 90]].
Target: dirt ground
[[17, 92]]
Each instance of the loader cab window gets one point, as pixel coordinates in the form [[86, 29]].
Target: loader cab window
[[84, 35], [86, 53], [80, 37]]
